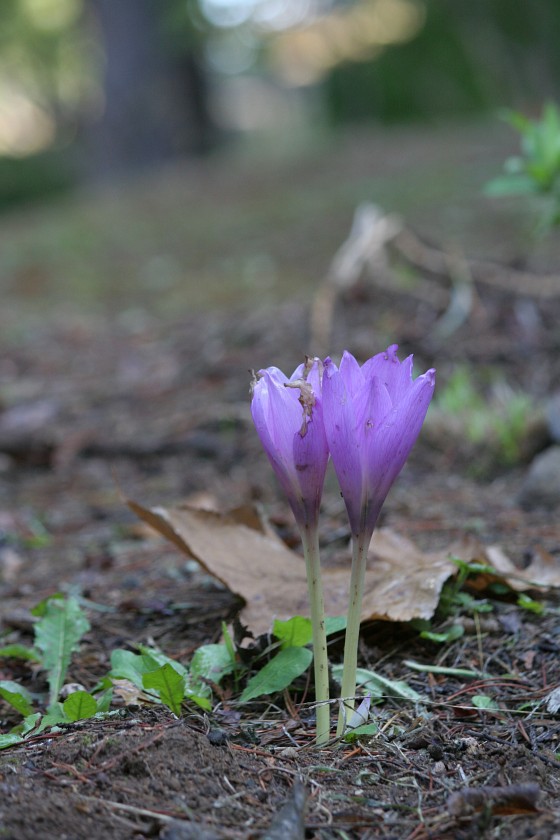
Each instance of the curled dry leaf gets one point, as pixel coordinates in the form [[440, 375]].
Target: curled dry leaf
[[245, 555]]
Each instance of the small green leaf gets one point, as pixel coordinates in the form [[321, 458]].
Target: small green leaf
[[295, 632], [17, 696], [527, 603], [279, 673], [482, 701], [20, 652], [169, 684], [378, 686], [452, 634], [9, 740], [210, 662], [335, 624], [131, 666], [367, 729], [442, 669], [79, 706], [158, 657], [57, 635], [104, 700]]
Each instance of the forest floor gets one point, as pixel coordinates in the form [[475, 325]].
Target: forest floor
[[129, 322]]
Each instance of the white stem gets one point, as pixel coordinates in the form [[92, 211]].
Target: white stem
[[360, 545], [310, 540]]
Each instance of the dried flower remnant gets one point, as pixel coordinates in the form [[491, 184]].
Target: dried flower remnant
[[288, 417], [372, 416]]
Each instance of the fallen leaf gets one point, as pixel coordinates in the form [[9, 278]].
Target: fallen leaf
[[245, 555], [507, 800]]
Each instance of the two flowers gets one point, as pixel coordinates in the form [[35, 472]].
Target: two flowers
[[367, 419]]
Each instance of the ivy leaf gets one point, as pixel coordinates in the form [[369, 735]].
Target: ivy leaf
[[79, 705], [279, 673], [57, 635], [17, 696], [169, 684]]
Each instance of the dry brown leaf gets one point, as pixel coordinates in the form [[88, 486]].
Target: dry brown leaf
[[543, 572], [249, 559], [244, 553]]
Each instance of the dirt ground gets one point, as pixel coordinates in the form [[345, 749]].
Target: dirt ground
[[102, 401]]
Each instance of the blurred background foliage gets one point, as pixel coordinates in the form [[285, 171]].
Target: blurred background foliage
[[93, 89]]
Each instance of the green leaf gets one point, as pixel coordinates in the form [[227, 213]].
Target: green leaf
[[279, 673], [57, 635], [20, 652], [527, 603], [452, 634], [104, 700], [79, 705], [361, 731], [295, 632], [9, 740], [17, 696], [335, 624], [482, 701], [131, 666], [158, 657], [169, 684], [210, 662], [442, 669], [378, 686]]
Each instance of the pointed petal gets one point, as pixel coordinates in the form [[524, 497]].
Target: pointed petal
[[340, 429], [389, 446], [352, 375]]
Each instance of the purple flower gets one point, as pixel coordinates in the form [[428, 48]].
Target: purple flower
[[372, 415], [288, 417]]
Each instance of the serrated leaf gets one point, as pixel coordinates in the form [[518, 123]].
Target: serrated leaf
[[279, 673], [169, 684], [57, 636], [20, 652], [295, 632], [79, 705], [17, 696]]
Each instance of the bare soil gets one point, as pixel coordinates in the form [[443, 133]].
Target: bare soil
[[155, 407]]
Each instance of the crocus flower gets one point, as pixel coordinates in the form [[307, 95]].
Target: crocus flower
[[372, 416], [288, 418]]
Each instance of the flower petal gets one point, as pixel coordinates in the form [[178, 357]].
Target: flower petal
[[389, 446], [340, 429]]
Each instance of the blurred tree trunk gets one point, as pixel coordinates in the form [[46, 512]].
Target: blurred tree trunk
[[155, 98]]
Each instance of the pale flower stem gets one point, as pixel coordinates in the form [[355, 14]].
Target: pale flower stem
[[310, 540], [360, 545]]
